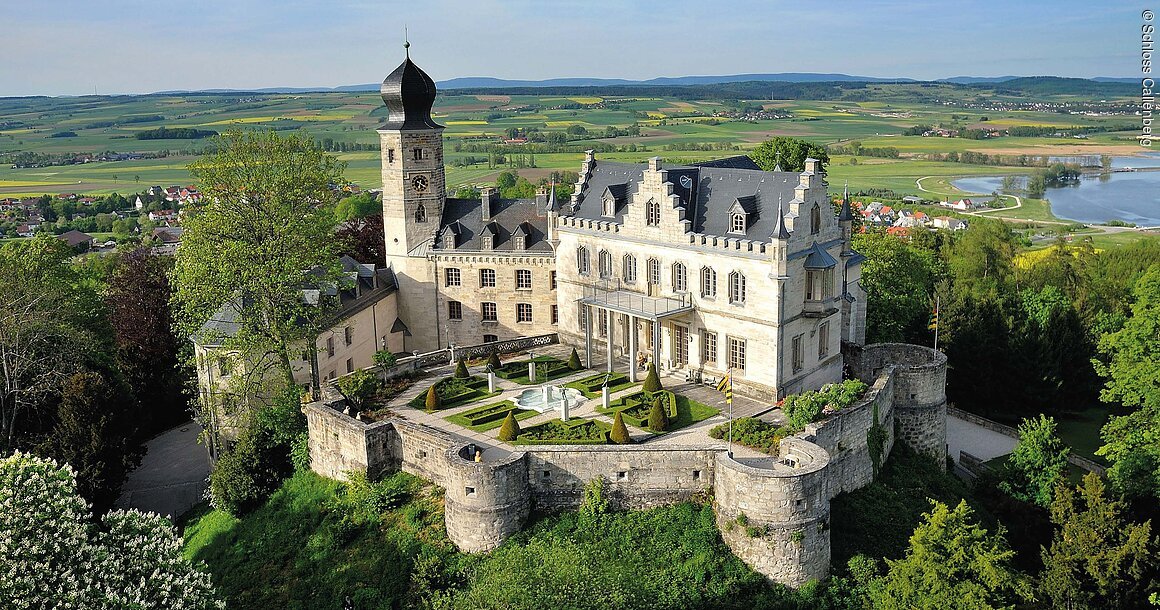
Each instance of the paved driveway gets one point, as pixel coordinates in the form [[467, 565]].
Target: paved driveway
[[172, 475], [976, 440]]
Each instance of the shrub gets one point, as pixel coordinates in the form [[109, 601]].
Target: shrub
[[807, 407], [574, 361], [432, 402], [619, 433], [359, 387], [752, 432], [246, 475], [510, 428], [658, 419], [385, 358], [461, 370], [652, 382], [493, 361]]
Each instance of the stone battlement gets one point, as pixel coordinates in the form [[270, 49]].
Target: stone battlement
[[774, 514]]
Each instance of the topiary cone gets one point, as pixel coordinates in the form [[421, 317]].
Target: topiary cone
[[510, 428], [574, 361], [493, 361], [658, 419], [461, 370], [432, 399], [652, 381], [619, 432]]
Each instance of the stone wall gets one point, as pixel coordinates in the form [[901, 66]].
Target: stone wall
[[777, 520], [637, 477], [774, 517]]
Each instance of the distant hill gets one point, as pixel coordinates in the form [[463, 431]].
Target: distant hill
[[1029, 84]]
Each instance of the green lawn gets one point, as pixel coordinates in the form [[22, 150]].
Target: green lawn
[[467, 420], [576, 431], [518, 371], [618, 381], [465, 391], [688, 412], [1081, 431]]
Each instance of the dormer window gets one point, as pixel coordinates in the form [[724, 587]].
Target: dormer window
[[609, 207], [519, 242], [737, 223], [420, 214], [486, 242]]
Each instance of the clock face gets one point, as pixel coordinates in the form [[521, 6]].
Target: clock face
[[419, 183]]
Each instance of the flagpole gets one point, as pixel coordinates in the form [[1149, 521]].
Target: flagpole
[[729, 399], [936, 296]]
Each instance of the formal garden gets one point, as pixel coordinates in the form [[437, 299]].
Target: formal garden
[[547, 369], [489, 417]]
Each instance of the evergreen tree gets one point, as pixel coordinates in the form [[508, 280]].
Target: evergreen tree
[[461, 370], [1097, 559], [510, 428], [432, 402], [493, 361], [619, 433], [652, 381], [658, 417], [574, 361], [952, 562]]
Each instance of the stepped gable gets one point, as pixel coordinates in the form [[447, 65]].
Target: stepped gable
[[508, 217], [709, 195]]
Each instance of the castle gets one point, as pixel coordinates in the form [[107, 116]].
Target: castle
[[702, 268]]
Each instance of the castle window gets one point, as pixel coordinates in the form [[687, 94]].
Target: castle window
[[420, 214], [552, 279], [605, 264], [330, 347], [736, 288], [696, 475], [737, 353], [652, 213], [349, 365], [629, 272], [454, 310], [555, 314], [547, 474], [224, 367], [390, 155], [486, 242], [815, 219], [487, 278], [819, 284], [453, 277], [680, 278], [348, 335], [490, 312], [519, 242], [823, 340], [797, 358], [417, 154], [582, 316], [490, 338], [708, 347], [654, 271], [470, 491], [583, 264], [523, 312], [708, 282], [523, 279], [602, 323], [737, 223], [621, 475], [609, 207]]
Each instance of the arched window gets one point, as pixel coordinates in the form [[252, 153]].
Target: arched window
[[737, 223], [652, 213], [420, 214], [604, 261], [583, 265], [708, 282], [815, 219], [680, 278], [629, 272], [654, 271], [610, 207], [736, 287]]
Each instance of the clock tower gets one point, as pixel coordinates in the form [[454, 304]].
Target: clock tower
[[414, 187]]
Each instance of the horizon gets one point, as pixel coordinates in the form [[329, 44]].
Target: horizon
[[121, 48]]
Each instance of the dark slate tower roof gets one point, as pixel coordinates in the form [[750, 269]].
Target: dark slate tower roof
[[409, 94]]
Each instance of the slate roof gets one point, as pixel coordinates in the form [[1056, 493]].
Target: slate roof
[[464, 218], [712, 191]]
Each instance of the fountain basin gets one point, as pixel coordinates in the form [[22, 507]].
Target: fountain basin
[[548, 398]]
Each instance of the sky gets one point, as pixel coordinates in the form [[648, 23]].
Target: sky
[[78, 47]]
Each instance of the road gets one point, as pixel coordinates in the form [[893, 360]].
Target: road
[[172, 475]]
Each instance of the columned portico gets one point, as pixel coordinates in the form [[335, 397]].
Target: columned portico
[[635, 308]]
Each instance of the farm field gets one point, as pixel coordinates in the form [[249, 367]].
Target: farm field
[[622, 128]]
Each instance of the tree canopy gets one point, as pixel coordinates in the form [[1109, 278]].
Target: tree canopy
[[790, 153]]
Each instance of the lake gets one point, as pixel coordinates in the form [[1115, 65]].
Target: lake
[[1128, 196]]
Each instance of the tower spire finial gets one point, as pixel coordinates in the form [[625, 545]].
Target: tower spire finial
[[406, 42], [780, 231], [846, 213]]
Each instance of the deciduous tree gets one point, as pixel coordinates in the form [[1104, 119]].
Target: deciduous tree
[[1038, 463], [790, 153]]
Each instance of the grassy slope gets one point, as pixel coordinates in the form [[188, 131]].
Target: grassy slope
[[303, 550]]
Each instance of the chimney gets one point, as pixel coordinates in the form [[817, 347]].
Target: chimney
[[541, 200], [485, 195], [654, 163]]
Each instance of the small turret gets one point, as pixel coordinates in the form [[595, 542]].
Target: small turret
[[553, 210], [780, 238], [846, 223]]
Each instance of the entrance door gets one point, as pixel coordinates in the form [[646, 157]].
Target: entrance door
[[680, 344]]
